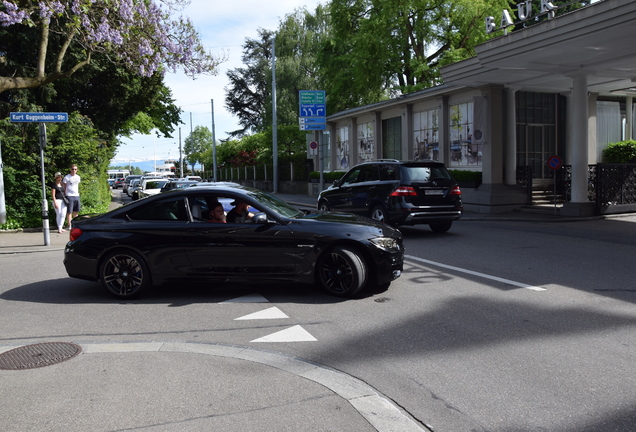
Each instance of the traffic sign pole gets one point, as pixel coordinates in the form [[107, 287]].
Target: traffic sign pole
[[45, 202], [42, 119]]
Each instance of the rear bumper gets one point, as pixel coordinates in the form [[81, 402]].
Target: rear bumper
[[78, 266], [428, 217], [424, 215]]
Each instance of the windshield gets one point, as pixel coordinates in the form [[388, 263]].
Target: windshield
[[155, 184], [276, 205], [424, 173]]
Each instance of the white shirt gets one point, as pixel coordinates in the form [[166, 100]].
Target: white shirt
[[72, 184]]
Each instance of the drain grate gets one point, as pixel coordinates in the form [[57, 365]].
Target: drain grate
[[38, 355]]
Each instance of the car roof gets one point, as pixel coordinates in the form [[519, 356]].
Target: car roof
[[422, 162], [214, 184]]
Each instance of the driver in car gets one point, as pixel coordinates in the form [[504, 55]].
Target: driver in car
[[240, 212]]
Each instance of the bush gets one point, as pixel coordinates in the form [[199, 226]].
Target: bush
[[466, 176], [620, 152], [329, 176]]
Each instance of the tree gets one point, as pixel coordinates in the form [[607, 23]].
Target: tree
[[249, 94], [381, 48], [136, 33], [76, 141], [248, 89], [196, 144], [299, 38]]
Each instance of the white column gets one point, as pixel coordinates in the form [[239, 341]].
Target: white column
[[579, 138], [628, 118], [511, 138]]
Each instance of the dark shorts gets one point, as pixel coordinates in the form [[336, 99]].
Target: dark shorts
[[73, 204]]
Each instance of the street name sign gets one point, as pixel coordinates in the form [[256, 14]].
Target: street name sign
[[46, 117]]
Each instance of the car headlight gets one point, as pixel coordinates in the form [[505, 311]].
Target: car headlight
[[385, 242]]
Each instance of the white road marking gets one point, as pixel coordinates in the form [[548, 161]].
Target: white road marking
[[250, 298], [271, 313], [474, 273], [292, 334]]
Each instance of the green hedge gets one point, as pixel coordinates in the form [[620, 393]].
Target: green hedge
[[620, 152], [329, 176], [466, 176]]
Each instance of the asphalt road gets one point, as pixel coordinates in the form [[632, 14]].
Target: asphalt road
[[494, 326]]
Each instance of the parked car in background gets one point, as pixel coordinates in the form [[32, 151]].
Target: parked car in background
[[397, 193], [129, 179], [111, 182], [119, 182], [192, 177], [133, 189], [168, 237], [151, 187], [177, 184]]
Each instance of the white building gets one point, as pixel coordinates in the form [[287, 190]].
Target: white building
[[561, 87]]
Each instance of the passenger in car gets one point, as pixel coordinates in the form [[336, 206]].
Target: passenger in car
[[217, 214]]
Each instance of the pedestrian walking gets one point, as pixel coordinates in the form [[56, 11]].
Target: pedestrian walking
[[71, 191], [59, 201]]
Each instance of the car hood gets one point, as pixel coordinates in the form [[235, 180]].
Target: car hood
[[354, 221]]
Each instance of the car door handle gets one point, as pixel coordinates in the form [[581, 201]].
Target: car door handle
[[197, 232]]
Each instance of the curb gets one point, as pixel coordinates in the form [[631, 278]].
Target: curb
[[377, 409]]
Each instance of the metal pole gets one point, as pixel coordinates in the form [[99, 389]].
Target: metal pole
[[274, 126], [321, 160], [3, 207], [180, 156], [45, 204], [213, 143]]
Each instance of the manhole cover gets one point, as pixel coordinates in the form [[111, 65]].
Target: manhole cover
[[38, 355]]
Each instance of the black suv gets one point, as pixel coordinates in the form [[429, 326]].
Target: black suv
[[397, 193]]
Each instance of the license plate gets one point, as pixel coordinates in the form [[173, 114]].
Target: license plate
[[433, 192]]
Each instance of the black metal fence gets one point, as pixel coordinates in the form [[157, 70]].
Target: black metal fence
[[612, 187]]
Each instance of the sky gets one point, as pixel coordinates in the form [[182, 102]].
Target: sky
[[223, 27]]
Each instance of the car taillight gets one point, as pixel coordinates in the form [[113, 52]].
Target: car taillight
[[455, 190], [404, 191], [75, 233]]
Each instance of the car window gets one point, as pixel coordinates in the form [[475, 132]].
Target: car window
[[424, 173], [388, 172], [276, 205], [369, 173], [201, 205], [166, 210], [351, 176], [155, 184]]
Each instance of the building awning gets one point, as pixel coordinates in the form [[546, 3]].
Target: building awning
[[598, 40]]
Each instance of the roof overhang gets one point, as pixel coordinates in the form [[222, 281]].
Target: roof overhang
[[598, 41]]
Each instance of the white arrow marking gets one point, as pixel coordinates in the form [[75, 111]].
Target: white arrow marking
[[292, 334], [250, 298], [271, 313]]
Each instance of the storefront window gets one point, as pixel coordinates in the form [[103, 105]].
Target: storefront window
[[426, 141], [342, 149], [462, 151], [392, 138], [366, 142]]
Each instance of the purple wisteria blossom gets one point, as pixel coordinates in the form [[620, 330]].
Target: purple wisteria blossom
[[138, 32]]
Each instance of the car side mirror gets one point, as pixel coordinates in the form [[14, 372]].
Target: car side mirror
[[336, 183], [261, 218]]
